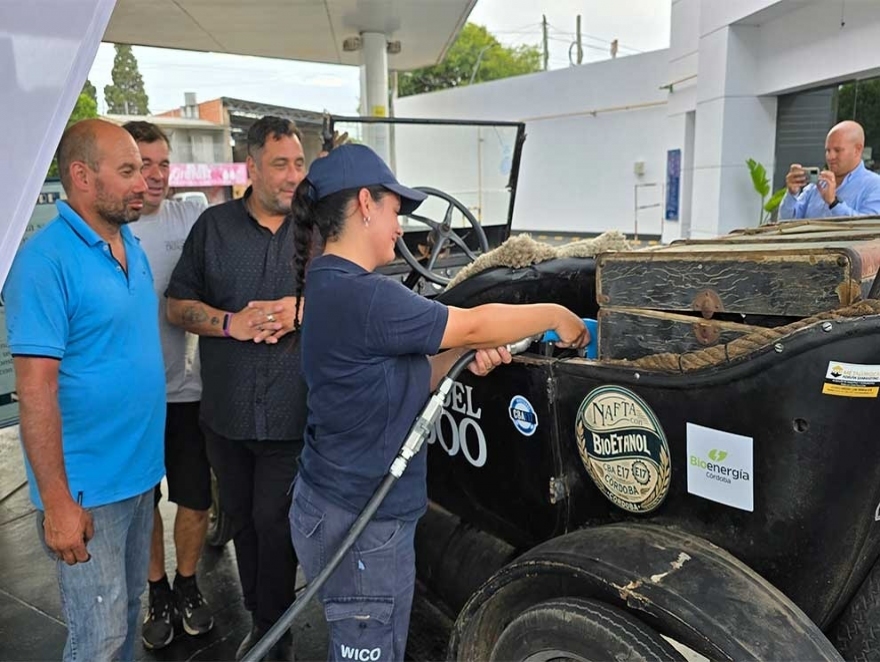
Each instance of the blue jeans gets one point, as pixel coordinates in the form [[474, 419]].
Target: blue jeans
[[101, 599], [367, 600]]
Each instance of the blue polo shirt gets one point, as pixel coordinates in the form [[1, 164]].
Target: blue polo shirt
[[68, 298], [365, 342]]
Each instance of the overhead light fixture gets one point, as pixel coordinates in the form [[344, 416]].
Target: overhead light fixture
[[393, 47], [351, 44]]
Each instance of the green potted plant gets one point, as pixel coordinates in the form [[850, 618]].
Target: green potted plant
[[761, 183]]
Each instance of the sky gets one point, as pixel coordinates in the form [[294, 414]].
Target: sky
[[639, 26]]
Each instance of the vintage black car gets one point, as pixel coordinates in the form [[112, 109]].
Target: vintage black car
[[708, 486], [710, 477]]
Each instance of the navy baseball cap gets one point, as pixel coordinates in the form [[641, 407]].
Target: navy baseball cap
[[358, 166]]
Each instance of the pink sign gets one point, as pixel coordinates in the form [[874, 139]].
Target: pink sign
[[207, 174]]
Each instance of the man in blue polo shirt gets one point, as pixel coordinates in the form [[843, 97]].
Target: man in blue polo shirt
[[847, 188], [82, 323]]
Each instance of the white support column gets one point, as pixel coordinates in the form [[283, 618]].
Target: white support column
[[374, 89], [682, 102], [733, 124]]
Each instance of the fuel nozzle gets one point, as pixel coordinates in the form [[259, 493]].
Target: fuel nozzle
[[591, 350], [520, 346]]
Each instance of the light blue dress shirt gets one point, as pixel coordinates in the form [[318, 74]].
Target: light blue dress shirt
[[859, 195]]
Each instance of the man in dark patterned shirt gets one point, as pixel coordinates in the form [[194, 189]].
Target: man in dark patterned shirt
[[234, 287]]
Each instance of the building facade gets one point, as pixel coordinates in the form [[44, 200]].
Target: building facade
[[760, 79], [659, 141], [237, 115], [201, 155]]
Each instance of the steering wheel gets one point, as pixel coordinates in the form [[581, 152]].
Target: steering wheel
[[440, 234]]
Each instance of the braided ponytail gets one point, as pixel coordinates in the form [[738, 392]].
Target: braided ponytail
[[303, 217]]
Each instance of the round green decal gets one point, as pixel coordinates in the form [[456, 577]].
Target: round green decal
[[623, 448]]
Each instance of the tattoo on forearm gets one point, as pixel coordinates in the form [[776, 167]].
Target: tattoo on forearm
[[194, 315], [215, 321]]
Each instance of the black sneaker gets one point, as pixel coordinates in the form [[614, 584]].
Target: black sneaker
[[158, 630], [256, 633], [192, 607], [281, 651]]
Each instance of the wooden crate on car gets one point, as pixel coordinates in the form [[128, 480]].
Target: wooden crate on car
[[699, 293], [631, 333]]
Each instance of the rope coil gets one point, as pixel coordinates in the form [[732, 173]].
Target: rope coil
[[735, 349]]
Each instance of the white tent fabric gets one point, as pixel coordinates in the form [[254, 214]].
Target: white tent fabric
[[46, 50]]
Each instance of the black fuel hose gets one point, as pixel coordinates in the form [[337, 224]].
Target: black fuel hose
[[460, 364], [410, 447]]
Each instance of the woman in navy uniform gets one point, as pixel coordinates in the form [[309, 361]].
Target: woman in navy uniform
[[371, 356]]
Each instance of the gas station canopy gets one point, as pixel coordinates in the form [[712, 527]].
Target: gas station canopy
[[312, 30]]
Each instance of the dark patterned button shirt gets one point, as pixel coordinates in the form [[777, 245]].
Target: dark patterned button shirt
[[249, 390]]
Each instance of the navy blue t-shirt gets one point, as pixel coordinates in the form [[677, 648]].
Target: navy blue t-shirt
[[365, 339]]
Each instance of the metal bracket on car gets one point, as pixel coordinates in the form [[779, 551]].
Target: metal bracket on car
[[706, 334], [707, 303], [558, 489]]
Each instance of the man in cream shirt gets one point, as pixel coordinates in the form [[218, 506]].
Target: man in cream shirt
[[162, 230]]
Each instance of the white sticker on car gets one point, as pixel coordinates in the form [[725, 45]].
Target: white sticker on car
[[720, 466], [852, 380]]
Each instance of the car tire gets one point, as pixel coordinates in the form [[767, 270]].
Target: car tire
[[580, 629], [219, 525], [856, 634]]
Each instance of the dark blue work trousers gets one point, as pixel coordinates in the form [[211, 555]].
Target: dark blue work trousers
[[367, 600]]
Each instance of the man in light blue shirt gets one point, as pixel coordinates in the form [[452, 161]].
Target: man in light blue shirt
[[847, 188]]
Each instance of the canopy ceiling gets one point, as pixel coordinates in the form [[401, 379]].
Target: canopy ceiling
[[312, 30]]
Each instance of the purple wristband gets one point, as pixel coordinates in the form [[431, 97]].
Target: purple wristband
[[227, 319]]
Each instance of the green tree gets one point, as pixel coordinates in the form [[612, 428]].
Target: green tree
[[86, 107], [475, 49], [126, 96], [860, 101], [90, 90]]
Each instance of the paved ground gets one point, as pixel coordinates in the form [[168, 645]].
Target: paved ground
[[31, 626]]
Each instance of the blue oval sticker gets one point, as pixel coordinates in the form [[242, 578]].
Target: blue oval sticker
[[523, 415]]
